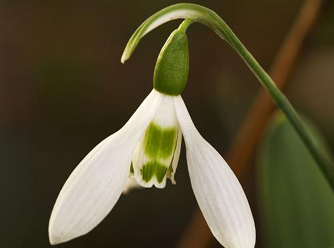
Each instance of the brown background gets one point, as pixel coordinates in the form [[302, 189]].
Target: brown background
[[63, 89]]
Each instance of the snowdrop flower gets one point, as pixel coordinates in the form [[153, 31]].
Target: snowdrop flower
[[146, 152]]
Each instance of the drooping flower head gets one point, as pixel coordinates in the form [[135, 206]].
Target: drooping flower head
[[146, 152]]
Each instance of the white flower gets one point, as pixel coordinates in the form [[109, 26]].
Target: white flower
[[147, 151]]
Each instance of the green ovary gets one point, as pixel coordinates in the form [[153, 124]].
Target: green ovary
[[159, 146]]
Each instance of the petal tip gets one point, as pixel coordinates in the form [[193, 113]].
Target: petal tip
[[55, 239], [58, 235]]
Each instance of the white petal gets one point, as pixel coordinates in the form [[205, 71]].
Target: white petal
[[97, 182], [217, 190], [154, 153]]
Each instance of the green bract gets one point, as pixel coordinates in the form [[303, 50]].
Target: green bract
[[172, 67]]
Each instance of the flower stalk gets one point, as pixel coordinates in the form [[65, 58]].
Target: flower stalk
[[197, 13]]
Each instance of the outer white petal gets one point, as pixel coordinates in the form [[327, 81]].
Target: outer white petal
[[217, 190], [95, 185]]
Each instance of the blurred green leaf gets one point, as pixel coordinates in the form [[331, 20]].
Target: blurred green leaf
[[296, 202]]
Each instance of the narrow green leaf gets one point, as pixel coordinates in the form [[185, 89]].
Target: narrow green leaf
[[296, 202]]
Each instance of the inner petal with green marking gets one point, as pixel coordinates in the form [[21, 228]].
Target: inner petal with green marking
[[158, 151]]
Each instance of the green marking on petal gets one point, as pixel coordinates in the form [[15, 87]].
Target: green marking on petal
[[159, 143], [153, 168]]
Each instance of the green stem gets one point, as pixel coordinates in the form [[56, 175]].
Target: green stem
[[197, 13], [286, 107]]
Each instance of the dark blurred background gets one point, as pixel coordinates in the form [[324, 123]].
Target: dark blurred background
[[63, 89]]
